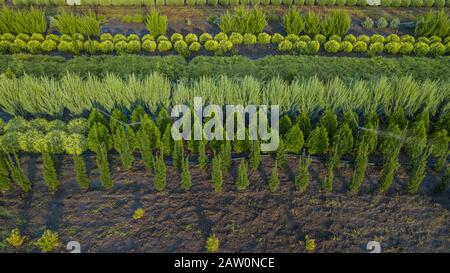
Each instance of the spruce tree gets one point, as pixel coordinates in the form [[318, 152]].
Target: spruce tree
[[217, 177], [274, 183], [167, 141], [160, 174], [49, 172], [343, 140], [242, 180], [123, 143], [352, 120], [329, 121], [302, 176], [318, 141], [80, 172], [186, 180], [202, 157], [282, 154], [294, 140], [255, 155], [304, 123]]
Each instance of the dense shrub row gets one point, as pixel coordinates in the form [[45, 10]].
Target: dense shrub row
[[329, 135], [222, 43], [386, 3], [434, 23], [176, 67]]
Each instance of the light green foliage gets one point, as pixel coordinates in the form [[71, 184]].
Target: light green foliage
[[156, 23], [274, 182], [302, 175], [216, 175], [242, 180], [69, 23], [49, 241]]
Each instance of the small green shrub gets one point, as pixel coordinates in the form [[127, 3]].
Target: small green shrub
[[48, 46], [164, 46], [405, 48], [375, 48], [332, 46], [350, 38], [212, 244], [156, 23], [195, 47], [277, 38], [313, 47], [392, 47], [190, 38], [392, 38], [176, 37], [249, 39], [263, 38], [437, 49], [382, 23], [49, 241], [368, 23], [149, 46], [421, 48], [284, 46], [395, 23], [205, 37], [211, 45], [138, 214], [106, 47], [15, 239], [346, 47]]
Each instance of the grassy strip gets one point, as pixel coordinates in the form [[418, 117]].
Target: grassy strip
[[176, 67]]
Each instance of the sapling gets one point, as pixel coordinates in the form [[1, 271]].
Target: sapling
[[225, 156], [202, 157], [177, 154], [281, 154], [17, 173], [5, 183], [302, 176], [242, 180], [255, 155], [418, 171], [160, 174], [102, 163], [217, 176], [362, 160], [49, 172], [186, 180], [274, 183], [123, 143], [390, 148]]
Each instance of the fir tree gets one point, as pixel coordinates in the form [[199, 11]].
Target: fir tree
[[217, 178], [294, 140], [225, 156], [80, 172], [282, 155], [202, 157], [302, 176], [167, 141], [242, 180], [49, 172], [274, 183], [352, 120], [186, 180], [304, 124], [147, 139], [255, 155], [318, 141], [177, 154], [123, 144], [160, 174], [343, 140], [102, 163]]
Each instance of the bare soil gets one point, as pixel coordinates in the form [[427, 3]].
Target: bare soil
[[255, 220]]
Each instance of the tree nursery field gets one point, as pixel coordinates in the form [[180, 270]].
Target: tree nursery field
[[242, 126]]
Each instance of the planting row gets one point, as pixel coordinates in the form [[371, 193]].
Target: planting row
[[47, 97], [223, 44], [384, 3], [329, 136]]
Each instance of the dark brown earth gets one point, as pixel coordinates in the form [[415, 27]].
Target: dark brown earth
[[252, 221]]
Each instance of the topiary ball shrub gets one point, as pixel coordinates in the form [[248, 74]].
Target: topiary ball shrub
[[190, 38], [133, 37], [176, 37], [48, 46], [106, 47], [405, 48], [395, 23], [205, 37], [21, 36], [363, 38], [375, 49], [91, 46], [263, 38], [195, 47], [435, 39], [305, 38], [360, 47], [320, 38], [249, 39], [367, 23], [149, 46], [221, 36], [224, 46], [423, 40], [148, 37], [78, 36], [313, 47], [119, 37], [332, 46], [211, 45], [408, 39], [437, 49], [350, 38], [34, 46], [421, 49], [382, 23], [392, 47], [65, 47], [181, 47], [164, 46], [133, 47], [37, 37], [335, 37], [346, 47], [284, 46], [277, 38], [392, 38], [300, 47], [11, 37], [120, 47], [292, 38], [106, 37], [5, 46], [236, 38], [376, 38]]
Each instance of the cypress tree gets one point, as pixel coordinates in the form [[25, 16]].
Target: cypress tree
[[49, 172], [352, 120], [304, 123], [362, 160], [390, 149], [160, 174], [282, 155], [444, 183], [5, 183], [163, 120], [96, 117], [225, 155], [242, 180], [102, 163], [418, 171], [398, 118], [255, 154], [217, 178], [331, 164], [177, 154], [167, 141], [147, 139], [318, 141], [329, 121], [274, 183], [294, 140], [116, 120], [285, 124], [302, 176], [80, 172], [202, 157], [124, 146], [439, 145], [17, 173], [343, 140], [137, 115], [186, 180]]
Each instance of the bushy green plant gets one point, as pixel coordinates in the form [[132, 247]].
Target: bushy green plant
[[437, 49], [382, 23], [195, 47], [212, 243], [277, 38], [293, 22], [433, 23], [332, 46], [346, 47], [216, 174], [205, 37], [22, 21], [312, 24], [318, 141], [249, 39], [69, 23], [320, 38], [284, 46], [211, 45], [376, 38], [190, 38], [338, 22], [149, 46], [49, 241], [156, 23], [274, 182], [242, 180], [421, 49], [375, 49], [350, 38], [181, 48], [395, 23], [392, 47], [164, 46]]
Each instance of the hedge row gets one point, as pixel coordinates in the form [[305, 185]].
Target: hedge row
[[177, 67], [222, 43], [386, 3]]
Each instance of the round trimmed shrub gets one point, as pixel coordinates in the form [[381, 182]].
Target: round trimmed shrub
[[350, 38], [119, 37], [65, 46], [34, 46], [408, 39], [164, 46], [292, 38], [351, 2], [382, 23], [10, 37], [162, 38], [225, 46], [335, 37], [417, 3], [406, 3], [396, 3], [211, 45], [18, 46], [360, 47], [361, 3], [133, 37], [120, 46], [392, 47], [277, 38], [375, 48], [300, 2], [446, 39], [148, 37], [392, 38], [405, 48], [66, 38], [340, 3], [78, 36], [149, 45], [249, 39], [133, 46], [300, 47], [37, 37], [106, 47], [395, 23], [376, 38], [304, 38], [320, 38], [91, 46], [5, 46], [236, 38], [263, 38], [423, 40], [195, 47], [190, 38], [25, 37], [221, 36], [363, 38], [385, 3], [106, 37], [439, 3], [205, 37], [48, 46], [437, 49], [367, 23], [313, 47], [346, 47], [332, 46], [421, 49], [435, 39], [176, 37], [52, 37], [284, 46], [181, 48], [447, 48], [428, 3]]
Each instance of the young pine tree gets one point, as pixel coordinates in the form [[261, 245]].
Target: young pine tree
[[17, 173], [123, 143], [439, 145], [102, 163], [362, 160], [177, 154], [116, 120], [202, 157], [329, 121], [255, 155], [304, 123], [274, 183], [148, 139], [225, 156], [282, 155], [167, 141], [294, 140], [160, 174], [302, 176], [49, 172], [5, 183], [418, 171], [242, 180], [318, 141], [186, 180], [216, 176], [390, 148], [80, 171]]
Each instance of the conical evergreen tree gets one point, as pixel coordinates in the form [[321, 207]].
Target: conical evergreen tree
[[186, 180], [242, 180], [274, 183], [217, 178]]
